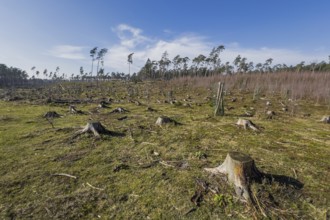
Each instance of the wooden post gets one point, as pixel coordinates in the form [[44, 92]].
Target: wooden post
[[219, 103]]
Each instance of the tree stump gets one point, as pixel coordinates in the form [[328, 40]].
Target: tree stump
[[325, 119], [119, 110], [241, 170], [270, 114], [94, 127], [164, 120], [103, 104], [247, 124], [73, 110]]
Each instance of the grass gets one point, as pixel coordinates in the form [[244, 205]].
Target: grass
[[122, 177]]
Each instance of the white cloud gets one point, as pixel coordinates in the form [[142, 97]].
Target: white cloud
[[145, 47], [129, 36], [68, 52], [131, 39]]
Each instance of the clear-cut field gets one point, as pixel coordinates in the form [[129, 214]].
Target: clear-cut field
[[151, 171]]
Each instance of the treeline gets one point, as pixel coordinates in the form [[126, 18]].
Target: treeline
[[11, 76], [211, 65]]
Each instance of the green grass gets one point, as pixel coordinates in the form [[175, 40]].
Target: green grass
[[31, 152]]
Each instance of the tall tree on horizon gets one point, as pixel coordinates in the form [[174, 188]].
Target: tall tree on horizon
[[100, 58], [130, 61], [92, 54], [214, 57]]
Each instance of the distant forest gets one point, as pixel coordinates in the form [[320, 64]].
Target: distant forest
[[165, 69], [211, 65]]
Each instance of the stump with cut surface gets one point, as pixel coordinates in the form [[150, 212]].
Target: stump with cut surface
[[103, 104], [247, 124], [241, 171], [119, 110], [270, 114], [325, 119], [165, 120], [94, 127], [73, 110]]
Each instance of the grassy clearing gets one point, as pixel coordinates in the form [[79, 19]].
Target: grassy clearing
[[151, 172]]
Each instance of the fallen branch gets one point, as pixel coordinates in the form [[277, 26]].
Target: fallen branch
[[166, 164], [93, 187], [64, 174]]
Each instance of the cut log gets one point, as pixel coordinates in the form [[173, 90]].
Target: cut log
[[94, 127], [325, 119], [241, 171], [52, 114], [247, 124]]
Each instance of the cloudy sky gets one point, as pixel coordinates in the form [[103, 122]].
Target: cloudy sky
[[51, 33]]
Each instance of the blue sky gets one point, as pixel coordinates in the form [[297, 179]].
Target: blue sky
[[50, 33]]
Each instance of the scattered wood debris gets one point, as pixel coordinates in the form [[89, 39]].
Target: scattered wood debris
[[119, 110], [120, 167], [65, 174], [149, 109], [52, 114], [122, 118]]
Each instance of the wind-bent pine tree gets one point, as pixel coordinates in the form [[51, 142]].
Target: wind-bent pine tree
[[92, 54], [100, 58], [130, 61]]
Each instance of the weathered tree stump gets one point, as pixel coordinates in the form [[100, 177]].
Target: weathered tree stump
[[165, 120], [52, 114], [73, 110], [119, 110], [247, 124], [270, 114], [94, 127], [103, 104], [149, 109], [325, 119], [241, 171]]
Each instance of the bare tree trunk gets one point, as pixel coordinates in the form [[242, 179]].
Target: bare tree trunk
[[219, 103]]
